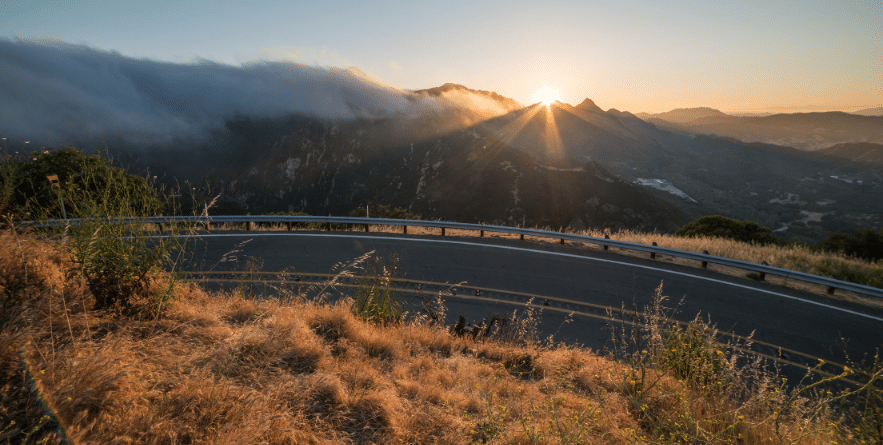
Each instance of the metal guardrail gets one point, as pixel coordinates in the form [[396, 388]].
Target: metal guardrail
[[831, 283]]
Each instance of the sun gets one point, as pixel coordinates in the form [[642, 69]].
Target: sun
[[546, 95]]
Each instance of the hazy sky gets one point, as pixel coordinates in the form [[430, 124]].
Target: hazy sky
[[635, 56]]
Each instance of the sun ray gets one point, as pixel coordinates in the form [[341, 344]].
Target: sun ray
[[511, 130], [552, 137]]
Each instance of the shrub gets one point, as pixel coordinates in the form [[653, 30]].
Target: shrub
[[867, 244], [376, 297], [117, 260], [28, 194], [723, 227], [383, 211]]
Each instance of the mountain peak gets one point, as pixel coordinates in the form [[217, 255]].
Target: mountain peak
[[453, 88], [589, 105]]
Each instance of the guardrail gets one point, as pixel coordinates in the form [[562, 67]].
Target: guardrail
[[761, 269]]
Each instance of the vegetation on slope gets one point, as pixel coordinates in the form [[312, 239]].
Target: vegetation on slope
[[220, 368], [28, 193], [723, 227]]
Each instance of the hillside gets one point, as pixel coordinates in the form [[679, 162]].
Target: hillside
[[684, 115], [451, 91], [584, 132], [860, 153], [878, 111], [323, 167], [226, 368], [806, 131]]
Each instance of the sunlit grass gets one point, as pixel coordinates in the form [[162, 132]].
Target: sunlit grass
[[220, 368]]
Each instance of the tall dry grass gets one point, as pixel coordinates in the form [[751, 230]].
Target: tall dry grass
[[219, 368]]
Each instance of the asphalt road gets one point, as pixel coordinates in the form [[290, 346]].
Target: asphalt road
[[811, 324]]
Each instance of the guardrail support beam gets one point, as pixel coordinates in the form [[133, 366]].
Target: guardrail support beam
[[605, 245], [290, 225], [831, 290], [405, 229], [366, 228], [653, 254], [762, 275], [443, 231], [481, 233], [705, 263], [249, 226]]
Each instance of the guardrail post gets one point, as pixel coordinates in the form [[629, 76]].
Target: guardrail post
[[443, 231], [290, 225], [606, 246], [653, 254], [249, 226], [522, 237], [161, 227], [366, 228], [562, 231], [762, 275], [208, 226], [405, 229], [705, 263], [831, 290], [481, 233]]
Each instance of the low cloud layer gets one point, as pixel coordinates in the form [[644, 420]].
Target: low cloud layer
[[55, 92]]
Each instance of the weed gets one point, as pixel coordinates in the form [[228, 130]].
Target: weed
[[376, 298]]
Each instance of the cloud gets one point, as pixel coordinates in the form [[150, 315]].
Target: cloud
[[55, 91]]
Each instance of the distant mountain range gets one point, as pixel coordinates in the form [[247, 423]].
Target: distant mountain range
[[286, 137], [554, 166], [806, 131], [878, 111], [683, 115], [583, 133]]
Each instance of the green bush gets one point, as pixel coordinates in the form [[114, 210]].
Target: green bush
[[382, 211], [723, 227], [867, 244], [376, 299], [116, 260], [28, 194]]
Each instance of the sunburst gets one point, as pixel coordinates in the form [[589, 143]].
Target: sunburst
[[547, 95]]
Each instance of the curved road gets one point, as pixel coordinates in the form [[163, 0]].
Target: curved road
[[792, 319]]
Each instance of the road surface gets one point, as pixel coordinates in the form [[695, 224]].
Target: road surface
[[795, 320]]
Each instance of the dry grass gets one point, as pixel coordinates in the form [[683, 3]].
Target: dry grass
[[219, 369]]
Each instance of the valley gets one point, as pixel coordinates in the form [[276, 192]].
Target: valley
[[551, 166]]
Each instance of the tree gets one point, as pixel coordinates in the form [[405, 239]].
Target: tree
[[723, 227], [28, 194], [867, 244]]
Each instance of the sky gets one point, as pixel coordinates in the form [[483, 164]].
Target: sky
[[652, 56]]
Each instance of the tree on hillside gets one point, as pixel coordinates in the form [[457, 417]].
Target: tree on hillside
[[729, 228], [27, 192], [867, 244]]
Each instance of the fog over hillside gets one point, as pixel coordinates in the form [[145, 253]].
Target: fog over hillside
[[54, 93]]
